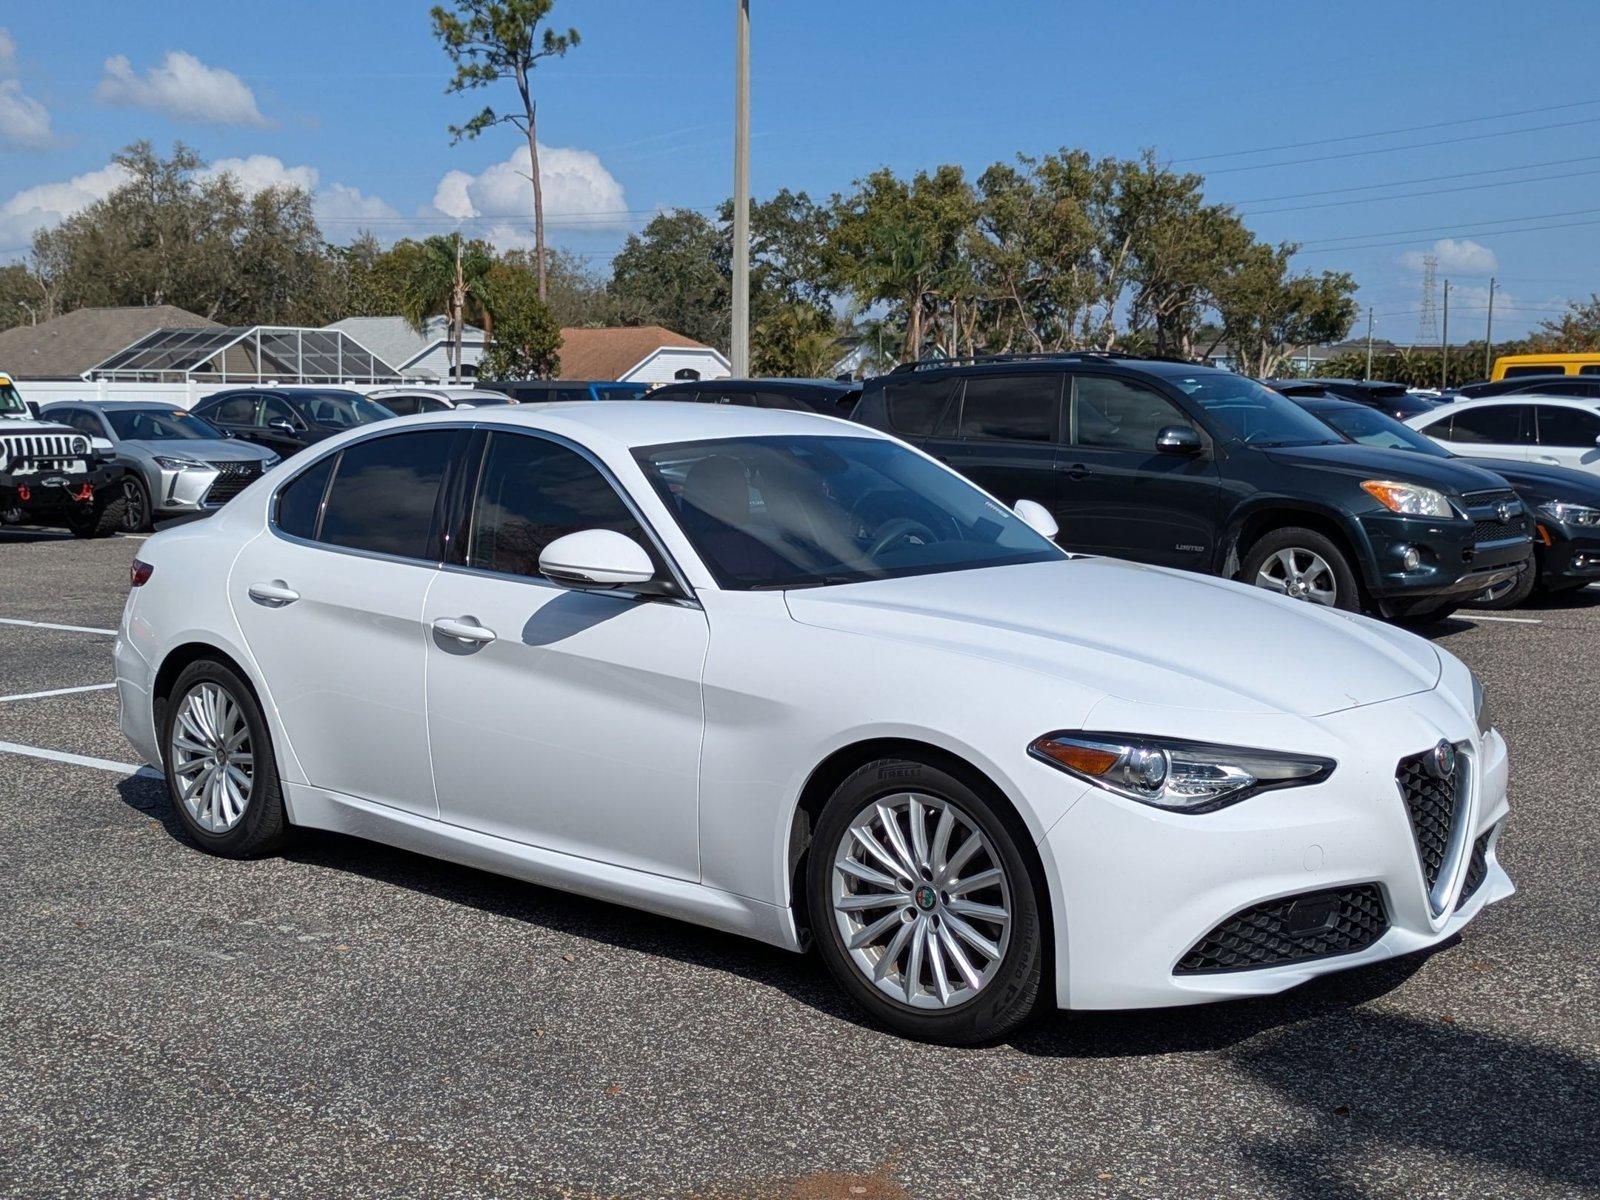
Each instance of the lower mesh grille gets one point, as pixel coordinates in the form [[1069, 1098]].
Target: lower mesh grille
[[1431, 803], [1477, 868], [1295, 928]]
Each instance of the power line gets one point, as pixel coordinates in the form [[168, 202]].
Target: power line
[[1470, 187], [1370, 187], [1447, 229], [1471, 137], [1356, 137], [1417, 242]]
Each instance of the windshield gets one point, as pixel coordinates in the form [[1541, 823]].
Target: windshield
[[620, 391], [11, 399], [1372, 428], [341, 410], [798, 511], [1254, 414], [158, 425]]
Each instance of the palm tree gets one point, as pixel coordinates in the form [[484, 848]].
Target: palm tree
[[449, 276]]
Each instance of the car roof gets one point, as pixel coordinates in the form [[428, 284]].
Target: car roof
[[820, 385], [629, 424], [122, 405], [1327, 404], [1587, 403]]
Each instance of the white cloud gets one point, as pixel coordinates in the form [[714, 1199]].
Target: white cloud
[[182, 87], [24, 122], [342, 209], [49, 203], [259, 172], [578, 193], [1465, 257]]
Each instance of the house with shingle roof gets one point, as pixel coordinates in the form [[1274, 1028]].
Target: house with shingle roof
[[69, 346]]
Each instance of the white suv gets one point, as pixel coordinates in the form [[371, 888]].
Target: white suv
[[1561, 431]]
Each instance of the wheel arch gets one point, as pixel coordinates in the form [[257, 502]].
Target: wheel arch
[[844, 761], [181, 656], [1251, 525]]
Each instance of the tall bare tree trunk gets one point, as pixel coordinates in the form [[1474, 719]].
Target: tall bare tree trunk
[[458, 302], [530, 106], [913, 345]]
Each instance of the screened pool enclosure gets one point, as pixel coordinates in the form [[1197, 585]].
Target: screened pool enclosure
[[253, 354]]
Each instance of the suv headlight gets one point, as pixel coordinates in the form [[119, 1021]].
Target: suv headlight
[[1175, 774], [1408, 498], [1571, 514], [181, 464]]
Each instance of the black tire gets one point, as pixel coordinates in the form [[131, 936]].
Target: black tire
[[101, 518], [1011, 994], [1507, 597], [136, 516], [1347, 591], [264, 826]]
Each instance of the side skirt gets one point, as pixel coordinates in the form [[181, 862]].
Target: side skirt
[[678, 898]]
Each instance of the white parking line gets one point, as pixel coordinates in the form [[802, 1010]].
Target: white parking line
[[88, 687], [61, 628], [81, 760], [1507, 620]]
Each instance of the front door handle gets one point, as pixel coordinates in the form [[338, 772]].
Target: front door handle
[[1546, 458], [464, 629], [274, 594], [1078, 471]]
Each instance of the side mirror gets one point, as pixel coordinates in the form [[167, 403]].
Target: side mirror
[[1037, 518], [102, 447], [1178, 439], [281, 424], [596, 560]]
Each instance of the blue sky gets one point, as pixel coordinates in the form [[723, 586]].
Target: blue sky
[[347, 96]]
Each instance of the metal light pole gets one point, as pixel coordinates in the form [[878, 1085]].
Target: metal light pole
[[1444, 342], [740, 341], [1488, 332], [1369, 341]]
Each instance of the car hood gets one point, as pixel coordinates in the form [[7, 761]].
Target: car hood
[[1545, 481], [1144, 634], [1403, 466], [204, 449]]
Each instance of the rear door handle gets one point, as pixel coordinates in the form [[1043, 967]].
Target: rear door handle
[[1078, 471], [1546, 458], [464, 629], [274, 594]]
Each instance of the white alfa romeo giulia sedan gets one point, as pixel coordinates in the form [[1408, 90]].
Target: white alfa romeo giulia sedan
[[784, 676]]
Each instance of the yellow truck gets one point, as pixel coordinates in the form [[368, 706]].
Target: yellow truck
[[1509, 366]]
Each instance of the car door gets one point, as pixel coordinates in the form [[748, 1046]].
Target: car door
[[1487, 431], [573, 720], [1120, 495], [1568, 436], [1008, 431], [279, 428], [235, 414], [330, 601]]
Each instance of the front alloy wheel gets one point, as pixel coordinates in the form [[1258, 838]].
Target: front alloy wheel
[[921, 900], [1300, 574]]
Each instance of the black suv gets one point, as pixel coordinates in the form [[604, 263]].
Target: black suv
[[288, 419], [1189, 466], [831, 397], [1391, 398]]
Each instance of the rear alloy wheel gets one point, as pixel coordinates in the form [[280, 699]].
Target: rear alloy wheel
[[220, 768], [136, 513], [1303, 565], [923, 906]]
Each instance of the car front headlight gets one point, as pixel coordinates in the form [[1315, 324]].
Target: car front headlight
[[181, 464], [1408, 498], [1173, 773], [1570, 514], [1480, 706]]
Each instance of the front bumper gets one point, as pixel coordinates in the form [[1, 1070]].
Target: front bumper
[[1136, 889], [50, 493], [1567, 553], [1454, 564]]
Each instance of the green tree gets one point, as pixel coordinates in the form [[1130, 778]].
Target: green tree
[[527, 338], [1576, 330], [794, 339], [493, 40], [449, 276], [676, 272], [1265, 312]]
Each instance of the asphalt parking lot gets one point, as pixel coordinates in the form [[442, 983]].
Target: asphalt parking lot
[[352, 1020]]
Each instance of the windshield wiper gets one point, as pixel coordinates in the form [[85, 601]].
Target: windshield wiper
[[803, 581]]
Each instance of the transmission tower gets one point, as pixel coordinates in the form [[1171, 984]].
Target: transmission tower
[[1428, 322]]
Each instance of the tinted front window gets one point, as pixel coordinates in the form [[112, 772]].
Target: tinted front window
[[1567, 426], [1497, 424], [1017, 408], [156, 425], [300, 501], [11, 399], [402, 406], [1256, 415], [274, 409], [340, 410], [531, 492], [801, 511], [915, 406], [1115, 414], [235, 410], [384, 494], [1373, 428]]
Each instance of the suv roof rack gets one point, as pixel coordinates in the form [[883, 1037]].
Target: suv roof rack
[[955, 360]]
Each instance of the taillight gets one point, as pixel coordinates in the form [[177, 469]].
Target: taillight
[[139, 573]]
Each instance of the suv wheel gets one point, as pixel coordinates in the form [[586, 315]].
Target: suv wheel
[[136, 513], [100, 518], [1304, 565], [923, 906], [1508, 594]]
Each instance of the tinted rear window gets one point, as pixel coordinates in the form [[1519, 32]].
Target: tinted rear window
[[915, 406], [1572, 427], [384, 494], [300, 501], [1494, 424], [1014, 408]]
